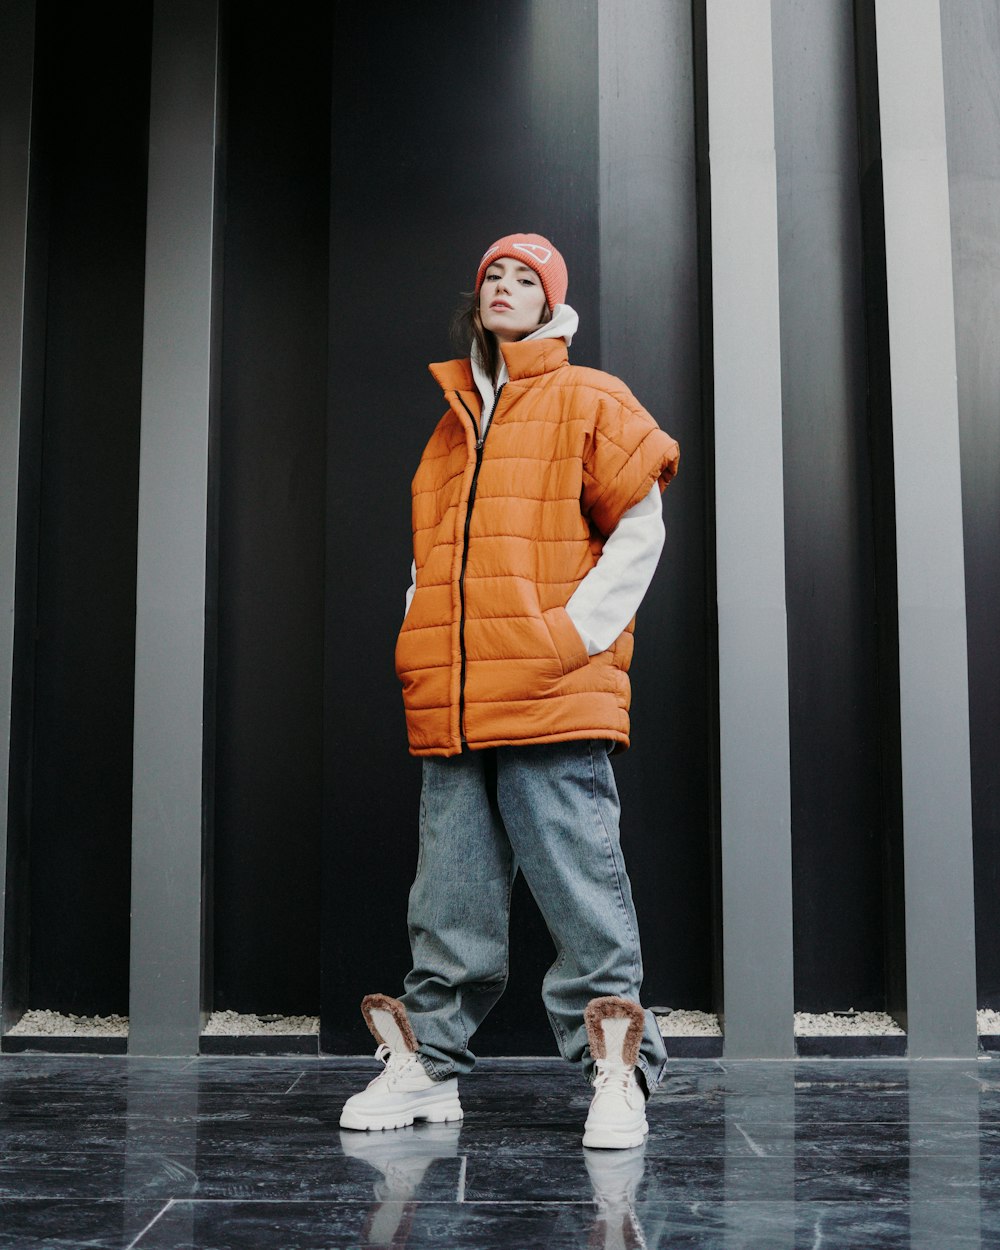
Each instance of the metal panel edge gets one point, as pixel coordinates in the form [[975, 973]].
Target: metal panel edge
[[17, 49]]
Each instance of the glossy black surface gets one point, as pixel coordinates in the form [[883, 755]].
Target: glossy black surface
[[71, 714], [651, 338], [268, 457], [970, 37], [246, 1153], [450, 128], [836, 785]]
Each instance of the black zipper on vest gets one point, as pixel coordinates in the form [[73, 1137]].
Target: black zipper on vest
[[480, 443]]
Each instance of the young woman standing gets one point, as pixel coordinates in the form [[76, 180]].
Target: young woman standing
[[536, 530]]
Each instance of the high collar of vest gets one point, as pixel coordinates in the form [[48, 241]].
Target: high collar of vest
[[525, 359]]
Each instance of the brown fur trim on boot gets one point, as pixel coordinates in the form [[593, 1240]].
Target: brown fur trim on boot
[[611, 1008], [394, 1008]]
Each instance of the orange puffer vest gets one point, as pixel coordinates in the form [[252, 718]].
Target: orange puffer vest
[[504, 528]]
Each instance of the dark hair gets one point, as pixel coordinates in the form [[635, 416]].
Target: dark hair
[[467, 324]]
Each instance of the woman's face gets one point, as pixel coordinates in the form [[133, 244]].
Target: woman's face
[[511, 300]]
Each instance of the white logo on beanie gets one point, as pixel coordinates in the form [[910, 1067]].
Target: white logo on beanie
[[541, 254]]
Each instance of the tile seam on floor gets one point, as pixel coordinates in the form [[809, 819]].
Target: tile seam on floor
[[135, 1240], [367, 1202]]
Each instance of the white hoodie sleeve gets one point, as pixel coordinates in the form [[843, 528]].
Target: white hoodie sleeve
[[413, 586], [609, 596]]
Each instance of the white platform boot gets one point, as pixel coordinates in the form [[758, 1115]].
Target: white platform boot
[[403, 1091], [617, 1118]]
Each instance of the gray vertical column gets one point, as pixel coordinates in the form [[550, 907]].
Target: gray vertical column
[[933, 668], [167, 852], [750, 547], [17, 48]]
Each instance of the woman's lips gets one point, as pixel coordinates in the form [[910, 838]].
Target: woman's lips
[[499, 303]]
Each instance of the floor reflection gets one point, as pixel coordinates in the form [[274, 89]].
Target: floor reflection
[[615, 1176], [945, 1197], [247, 1154], [401, 1159]]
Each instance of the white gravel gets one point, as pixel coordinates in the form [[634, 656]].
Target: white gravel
[[240, 1024], [38, 1023], [673, 1023], [676, 1023], [844, 1023]]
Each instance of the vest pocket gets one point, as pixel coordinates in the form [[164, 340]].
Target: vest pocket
[[567, 642], [403, 656]]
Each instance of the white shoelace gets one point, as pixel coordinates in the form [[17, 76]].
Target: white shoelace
[[614, 1078], [399, 1064]]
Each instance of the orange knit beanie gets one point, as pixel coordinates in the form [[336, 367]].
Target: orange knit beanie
[[538, 254]]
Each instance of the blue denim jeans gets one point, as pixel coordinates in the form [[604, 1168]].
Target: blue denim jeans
[[550, 811]]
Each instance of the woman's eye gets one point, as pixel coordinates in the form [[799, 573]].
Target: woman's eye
[[527, 282]]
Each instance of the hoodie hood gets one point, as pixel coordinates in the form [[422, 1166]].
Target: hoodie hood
[[563, 324]]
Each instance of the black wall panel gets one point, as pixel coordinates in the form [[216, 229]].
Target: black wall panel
[[650, 338], [706, 410], [17, 917], [829, 547], [453, 124], [369, 158], [72, 748], [971, 41], [883, 508], [268, 472]]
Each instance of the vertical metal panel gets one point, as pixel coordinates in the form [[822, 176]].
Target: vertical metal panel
[[753, 669], [270, 470], [971, 42], [650, 338], [879, 413], [17, 45], [933, 669], [833, 670], [72, 740], [165, 999], [453, 168]]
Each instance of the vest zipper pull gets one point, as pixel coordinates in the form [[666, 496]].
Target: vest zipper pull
[[496, 399]]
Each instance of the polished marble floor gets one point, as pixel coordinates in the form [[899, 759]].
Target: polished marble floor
[[246, 1154]]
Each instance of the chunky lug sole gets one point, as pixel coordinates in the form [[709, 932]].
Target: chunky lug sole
[[604, 1137], [435, 1106]]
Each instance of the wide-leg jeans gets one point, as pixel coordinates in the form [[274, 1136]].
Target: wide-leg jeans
[[551, 811]]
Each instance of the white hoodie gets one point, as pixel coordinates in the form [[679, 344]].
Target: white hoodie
[[609, 596]]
